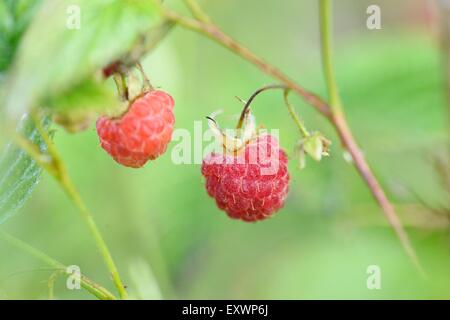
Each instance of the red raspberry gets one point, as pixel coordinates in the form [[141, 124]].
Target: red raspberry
[[142, 133], [252, 185]]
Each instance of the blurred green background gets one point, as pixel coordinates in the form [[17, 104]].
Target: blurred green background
[[166, 234]]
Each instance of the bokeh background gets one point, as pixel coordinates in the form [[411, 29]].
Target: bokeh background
[[168, 237]]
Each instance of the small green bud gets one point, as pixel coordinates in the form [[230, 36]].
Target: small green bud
[[315, 145]]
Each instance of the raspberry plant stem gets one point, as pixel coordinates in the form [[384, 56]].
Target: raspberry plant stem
[[327, 57], [337, 119], [73, 194], [197, 11], [444, 6], [252, 97], [90, 286], [51, 283], [121, 85], [56, 168], [300, 125], [147, 85], [303, 131], [211, 31], [340, 123]]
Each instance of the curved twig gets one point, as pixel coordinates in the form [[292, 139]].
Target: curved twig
[[337, 119]]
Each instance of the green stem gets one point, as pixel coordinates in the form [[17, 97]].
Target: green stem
[[73, 194], [445, 31], [197, 11], [51, 283], [119, 80], [86, 283], [147, 85], [304, 132], [327, 61], [339, 121], [42, 160], [58, 170]]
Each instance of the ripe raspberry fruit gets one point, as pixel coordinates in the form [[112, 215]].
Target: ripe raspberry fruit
[[142, 133], [250, 185]]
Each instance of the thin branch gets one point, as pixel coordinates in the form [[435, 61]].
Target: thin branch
[[87, 217], [347, 138], [213, 32], [197, 11], [300, 125], [327, 56], [148, 42], [246, 108], [444, 6], [51, 283], [57, 169], [86, 283]]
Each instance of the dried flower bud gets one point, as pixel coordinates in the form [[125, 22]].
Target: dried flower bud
[[234, 142]]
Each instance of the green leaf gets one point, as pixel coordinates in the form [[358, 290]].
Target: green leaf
[[15, 16], [18, 172], [53, 55], [76, 108]]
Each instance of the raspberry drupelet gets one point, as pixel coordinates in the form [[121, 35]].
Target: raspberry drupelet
[[250, 185], [142, 133]]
